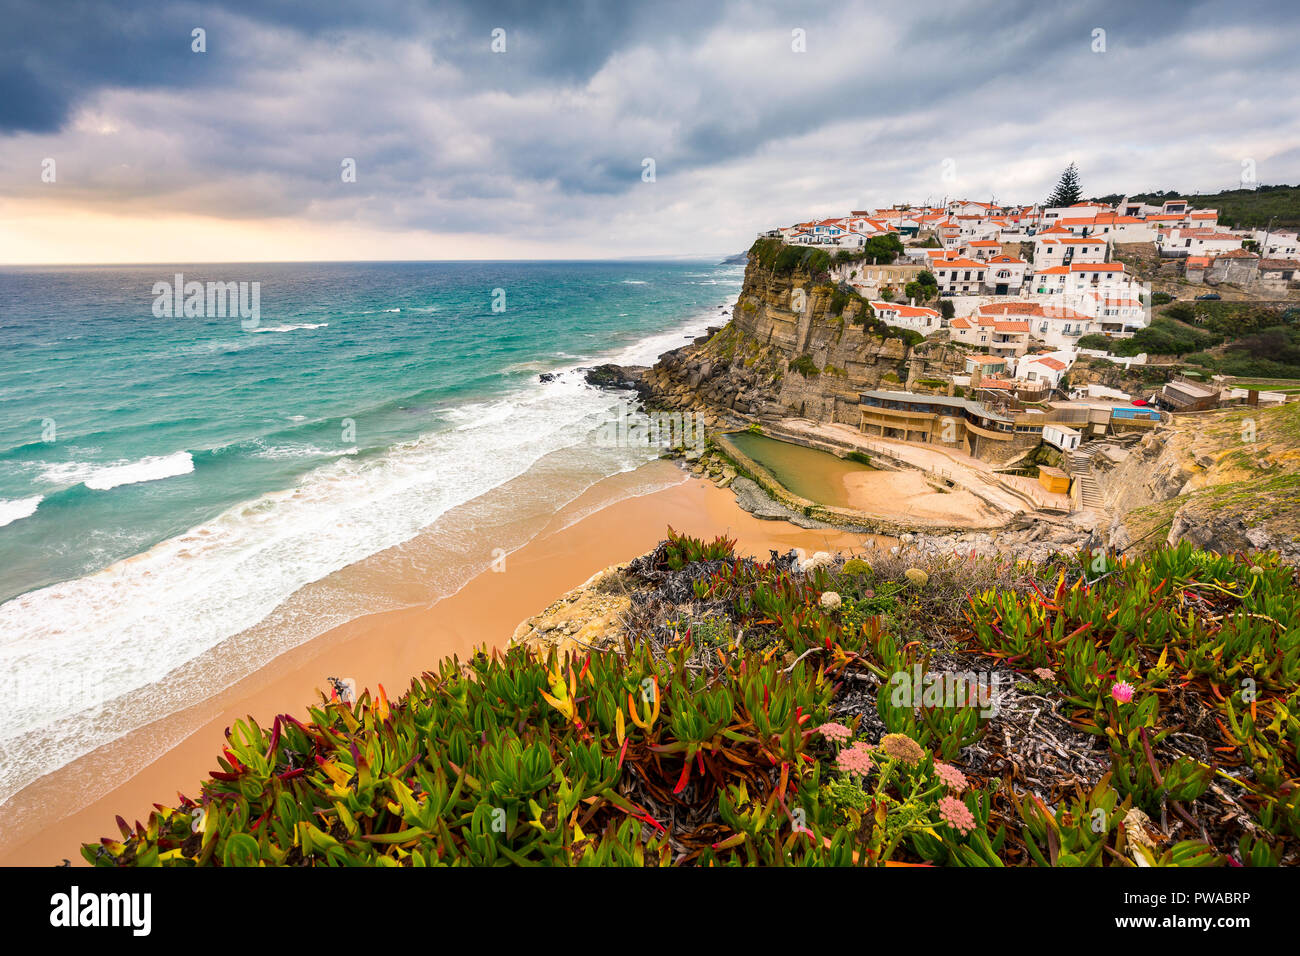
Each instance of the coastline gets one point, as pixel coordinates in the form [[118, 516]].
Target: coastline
[[609, 523]]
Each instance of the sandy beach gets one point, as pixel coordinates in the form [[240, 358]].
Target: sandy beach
[[914, 495], [48, 821]]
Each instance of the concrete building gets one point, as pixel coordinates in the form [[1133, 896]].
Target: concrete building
[[1237, 267], [1062, 437], [967, 426], [1186, 396]]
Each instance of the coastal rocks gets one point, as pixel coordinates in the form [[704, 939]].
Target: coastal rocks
[[745, 367], [617, 376], [752, 498], [588, 617], [1029, 539]]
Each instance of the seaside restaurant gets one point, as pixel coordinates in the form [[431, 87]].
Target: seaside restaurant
[[935, 419]]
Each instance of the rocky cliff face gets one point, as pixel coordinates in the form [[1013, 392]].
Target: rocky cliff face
[[1224, 481], [792, 347]]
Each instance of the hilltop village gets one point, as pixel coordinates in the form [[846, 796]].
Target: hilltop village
[[1035, 356]]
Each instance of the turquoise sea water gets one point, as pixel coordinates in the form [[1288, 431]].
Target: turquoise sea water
[[166, 482]]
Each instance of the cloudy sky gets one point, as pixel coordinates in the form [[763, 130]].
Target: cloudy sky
[[753, 113]]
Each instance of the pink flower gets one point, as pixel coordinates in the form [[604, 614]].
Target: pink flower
[[836, 732], [950, 776], [957, 815], [1044, 673], [1122, 691], [855, 760]]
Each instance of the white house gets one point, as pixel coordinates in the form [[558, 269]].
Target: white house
[[1005, 276], [1002, 338], [1056, 326], [914, 317], [1277, 245], [1053, 249], [1119, 228], [1049, 368], [1197, 242], [1061, 436], [982, 249], [959, 274], [1081, 278], [1118, 314]]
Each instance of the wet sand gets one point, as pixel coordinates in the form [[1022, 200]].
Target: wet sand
[[50, 819]]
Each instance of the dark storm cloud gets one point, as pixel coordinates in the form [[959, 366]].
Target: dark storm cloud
[[549, 138]]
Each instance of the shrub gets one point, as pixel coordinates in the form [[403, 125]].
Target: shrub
[[805, 366], [673, 753], [910, 336], [856, 568]]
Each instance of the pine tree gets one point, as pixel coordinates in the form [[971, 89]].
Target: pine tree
[[1067, 191]]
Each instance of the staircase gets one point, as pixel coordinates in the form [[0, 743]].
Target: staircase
[[1079, 465]]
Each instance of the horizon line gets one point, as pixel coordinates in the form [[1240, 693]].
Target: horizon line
[[283, 262]]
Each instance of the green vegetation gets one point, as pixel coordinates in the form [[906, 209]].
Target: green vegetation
[[1164, 336], [805, 366], [1238, 208], [923, 288], [1067, 191], [1246, 339], [782, 259], [881, 250], [693, 745], [910, 336]]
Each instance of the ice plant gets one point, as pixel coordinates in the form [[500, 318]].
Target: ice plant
[[957, 815], [902, 748], [855, 760], [833, 731], [1122, 691], [951, 777]]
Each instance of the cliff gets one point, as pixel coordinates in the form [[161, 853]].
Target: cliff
[[1226, 480], [774, 359]]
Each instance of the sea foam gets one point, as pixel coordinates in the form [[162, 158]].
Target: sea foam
[[16, 509]]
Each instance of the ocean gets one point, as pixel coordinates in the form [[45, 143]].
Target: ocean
[[168, 481]]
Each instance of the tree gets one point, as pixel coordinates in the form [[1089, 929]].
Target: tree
[[946, 308], [1067, 191]]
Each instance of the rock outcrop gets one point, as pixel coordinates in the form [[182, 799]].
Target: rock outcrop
[[795, 345]]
